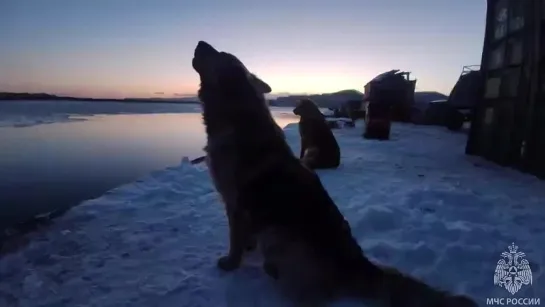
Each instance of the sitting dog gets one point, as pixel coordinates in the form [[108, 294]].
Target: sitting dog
[[306, 243], [319, 148]]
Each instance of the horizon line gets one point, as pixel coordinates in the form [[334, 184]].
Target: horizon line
[[187, 96], [163, 96]]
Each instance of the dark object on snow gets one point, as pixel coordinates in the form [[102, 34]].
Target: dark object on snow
[[463, 97], [350, 109], [429, 108], [387, 97], [319, 148], [454, 119], [398, 91], [433, 113], [377, 121], [432, 108]]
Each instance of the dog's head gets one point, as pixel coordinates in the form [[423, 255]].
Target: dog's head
[[231, 96], [306, 108], [224, 73]]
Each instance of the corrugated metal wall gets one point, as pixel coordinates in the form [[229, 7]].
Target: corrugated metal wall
[[508, 124]]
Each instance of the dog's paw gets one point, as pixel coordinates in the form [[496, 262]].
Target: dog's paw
[[227, 263], [271, 270]]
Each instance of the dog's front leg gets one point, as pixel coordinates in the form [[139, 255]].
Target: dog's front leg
[[239, 237], [304, 146]]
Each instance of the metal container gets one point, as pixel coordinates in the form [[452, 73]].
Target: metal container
[[507, 123]]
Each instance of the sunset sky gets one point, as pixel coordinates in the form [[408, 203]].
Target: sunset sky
[[143, 48]]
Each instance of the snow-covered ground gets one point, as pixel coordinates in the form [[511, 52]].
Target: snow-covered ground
[[415, 202], [327, 112]]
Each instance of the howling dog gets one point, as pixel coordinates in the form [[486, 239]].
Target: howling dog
[[269, 195], [319, 148]]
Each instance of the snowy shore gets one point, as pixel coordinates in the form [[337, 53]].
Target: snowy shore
[[415, 202]]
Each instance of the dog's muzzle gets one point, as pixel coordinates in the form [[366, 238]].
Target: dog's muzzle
[[203, 52], [203, 49]]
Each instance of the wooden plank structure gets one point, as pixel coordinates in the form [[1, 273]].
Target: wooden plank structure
[[394, 87], [508, 125]]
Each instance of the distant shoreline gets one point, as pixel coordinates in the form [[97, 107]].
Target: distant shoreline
[[45, 97], [325, 100]]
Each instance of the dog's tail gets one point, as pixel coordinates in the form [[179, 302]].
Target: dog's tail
[[395, 289]]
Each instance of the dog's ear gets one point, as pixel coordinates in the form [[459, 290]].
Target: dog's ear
[[261, 85], [307, 108]]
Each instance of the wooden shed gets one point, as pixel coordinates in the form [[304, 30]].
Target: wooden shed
[[394, 87], [508, 125]]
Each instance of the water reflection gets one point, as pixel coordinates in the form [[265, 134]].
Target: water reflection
[[55, 166]]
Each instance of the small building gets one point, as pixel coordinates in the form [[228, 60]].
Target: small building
[[394, 87], [508, 125]]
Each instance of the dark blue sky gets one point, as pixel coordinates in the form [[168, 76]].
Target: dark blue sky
[[137, 48]]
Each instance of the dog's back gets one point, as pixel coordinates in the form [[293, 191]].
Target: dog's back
[[319, 148]]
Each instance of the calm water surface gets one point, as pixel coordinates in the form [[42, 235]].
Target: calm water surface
[[47, 167]]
